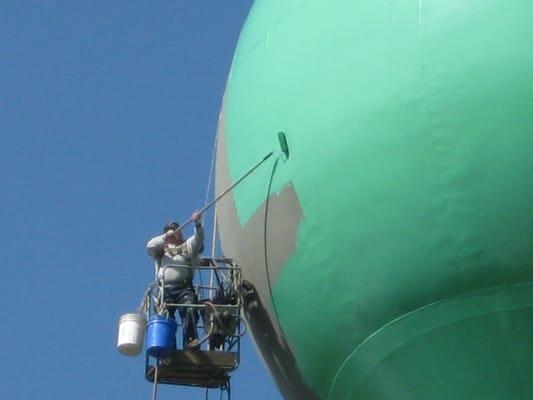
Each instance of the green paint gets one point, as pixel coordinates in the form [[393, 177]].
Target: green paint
[[410, 130], [459, 330]]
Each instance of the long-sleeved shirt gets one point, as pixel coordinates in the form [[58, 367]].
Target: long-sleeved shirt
[[175, 262]]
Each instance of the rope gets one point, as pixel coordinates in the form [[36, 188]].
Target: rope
[[265, 240], [213, 247], [228, 388], [207, 195], [213, 156], [265, 244], [143, 307]]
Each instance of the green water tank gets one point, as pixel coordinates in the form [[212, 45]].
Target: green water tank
[[390, 256]]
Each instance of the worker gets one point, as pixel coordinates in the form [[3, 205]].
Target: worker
[[175, 259]]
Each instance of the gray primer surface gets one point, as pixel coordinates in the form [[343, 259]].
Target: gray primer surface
[[246, 245]]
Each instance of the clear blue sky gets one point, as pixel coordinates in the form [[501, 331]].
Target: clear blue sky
[[108, 112]]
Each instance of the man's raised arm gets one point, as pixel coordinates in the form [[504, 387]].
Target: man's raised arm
[[195, 243], [155, 246]]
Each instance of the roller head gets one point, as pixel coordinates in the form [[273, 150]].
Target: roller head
[[283, 145]]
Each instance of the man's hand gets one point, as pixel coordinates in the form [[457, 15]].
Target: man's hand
[[169, 234], [196, 218]]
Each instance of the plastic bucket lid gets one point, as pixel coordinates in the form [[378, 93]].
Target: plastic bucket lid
[[160, 335], [131, 328]]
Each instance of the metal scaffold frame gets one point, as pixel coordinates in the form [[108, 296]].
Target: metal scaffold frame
[[218, 352]]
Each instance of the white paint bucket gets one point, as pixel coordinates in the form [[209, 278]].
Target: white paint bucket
[[131, 328]]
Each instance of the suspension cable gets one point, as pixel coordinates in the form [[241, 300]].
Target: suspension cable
[[213, 248], [207, 196], [154, 392], [212, 168]]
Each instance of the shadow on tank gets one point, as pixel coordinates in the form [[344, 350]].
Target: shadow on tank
[[288, 379]]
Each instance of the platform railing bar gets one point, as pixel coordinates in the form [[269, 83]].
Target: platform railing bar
[[229, 278], [185, 305], [214, 267], [206, 287]]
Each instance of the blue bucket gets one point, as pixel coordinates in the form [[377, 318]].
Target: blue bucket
[[160, 335]]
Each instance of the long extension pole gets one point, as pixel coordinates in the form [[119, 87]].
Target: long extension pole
[[225, 192]]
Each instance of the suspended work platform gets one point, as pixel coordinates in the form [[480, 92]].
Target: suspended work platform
[[194, 368], [209, 361]]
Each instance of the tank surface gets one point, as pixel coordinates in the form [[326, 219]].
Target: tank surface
[[391, 255]]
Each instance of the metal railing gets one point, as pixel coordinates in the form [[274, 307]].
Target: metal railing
[[216, 303]]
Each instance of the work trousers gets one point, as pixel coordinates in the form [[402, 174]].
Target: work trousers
[[189, 316]]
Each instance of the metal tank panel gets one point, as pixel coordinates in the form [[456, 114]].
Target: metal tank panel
[[398, 237]]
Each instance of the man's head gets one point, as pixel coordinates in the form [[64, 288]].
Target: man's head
[[170, 226], [177, 238]]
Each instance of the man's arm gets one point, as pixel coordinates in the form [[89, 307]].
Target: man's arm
[[155, 246], [196, 242]]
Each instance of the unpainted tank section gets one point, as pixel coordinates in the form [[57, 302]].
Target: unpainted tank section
[[391, 256]]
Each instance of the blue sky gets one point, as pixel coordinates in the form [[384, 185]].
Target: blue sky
[[108, 112]]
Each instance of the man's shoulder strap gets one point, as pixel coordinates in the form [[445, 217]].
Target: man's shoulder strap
[[180, 249]]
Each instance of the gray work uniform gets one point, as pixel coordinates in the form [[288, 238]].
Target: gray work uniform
[[175, 264], [174, 261]]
